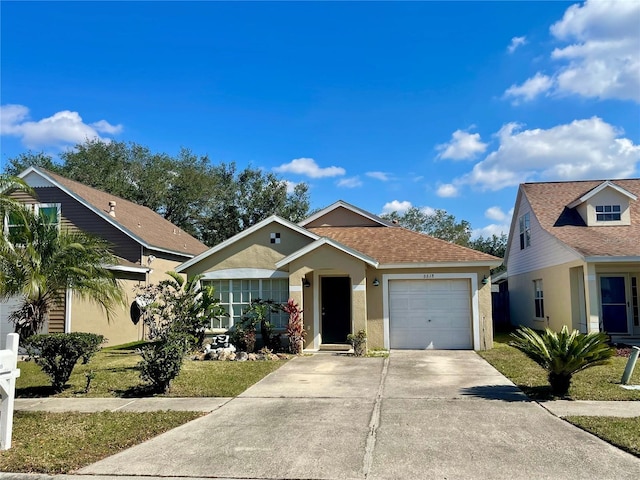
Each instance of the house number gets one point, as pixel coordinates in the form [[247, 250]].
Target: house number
[[429, 275]]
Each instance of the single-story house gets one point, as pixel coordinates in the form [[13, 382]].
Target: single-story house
[[145, 244], [350, 270], [573, 257]]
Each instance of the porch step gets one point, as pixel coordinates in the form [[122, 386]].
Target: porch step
[[633, 340], [335, 347]]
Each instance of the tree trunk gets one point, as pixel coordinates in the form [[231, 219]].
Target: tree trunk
[[560, 384]]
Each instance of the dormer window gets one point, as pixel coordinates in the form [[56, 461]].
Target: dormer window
[[608, 213]]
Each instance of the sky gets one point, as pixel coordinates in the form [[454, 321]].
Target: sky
[[385, 105]]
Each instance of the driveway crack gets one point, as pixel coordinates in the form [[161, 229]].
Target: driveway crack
[[374, 423]]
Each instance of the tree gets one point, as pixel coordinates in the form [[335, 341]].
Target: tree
[[439, 224], [29, 159], [39, 262], [494, 245], [562, 354]]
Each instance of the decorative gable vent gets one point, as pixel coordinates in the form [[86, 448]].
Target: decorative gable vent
[[275, 237]]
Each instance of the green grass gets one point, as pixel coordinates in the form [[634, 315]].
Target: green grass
[[55, 443], [597, 383], [621, 432], [116, 375]]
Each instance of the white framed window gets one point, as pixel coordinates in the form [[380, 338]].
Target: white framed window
[[538, 298], [525, 231], [49, 212], [236, 295], [608, 213]]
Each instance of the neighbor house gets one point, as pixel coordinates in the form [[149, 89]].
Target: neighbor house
[[146, 246], [573, 257], [350, 270]]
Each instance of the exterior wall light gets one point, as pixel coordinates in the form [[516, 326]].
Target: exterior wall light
[[376, 283], [306, 283], [485, 280]]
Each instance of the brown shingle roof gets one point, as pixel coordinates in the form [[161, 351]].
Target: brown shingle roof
[[391, 245], [549, 203], [142, 223]]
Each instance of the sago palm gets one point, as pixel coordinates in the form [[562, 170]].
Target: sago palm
[[562, 354], [39, 262]]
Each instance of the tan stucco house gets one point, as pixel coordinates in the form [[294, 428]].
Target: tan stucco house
[[573, 257], [350, 270], [145, 244]]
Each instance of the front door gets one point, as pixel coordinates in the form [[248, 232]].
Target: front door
[[336, 309], [613, 298]]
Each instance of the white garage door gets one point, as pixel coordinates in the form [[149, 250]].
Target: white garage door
[[430, 314]]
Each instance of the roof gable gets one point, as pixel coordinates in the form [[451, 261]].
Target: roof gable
[[326, 241], [140, 223], [243, 234], [343, 214], [594, 191]]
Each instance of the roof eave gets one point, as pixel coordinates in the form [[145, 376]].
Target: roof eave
[[348, 206], [611, 259], [454, 264]]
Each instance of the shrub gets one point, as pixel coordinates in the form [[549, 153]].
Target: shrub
[[562, 354], [161, 361], [58, 353], [295, 327], [359, 343]]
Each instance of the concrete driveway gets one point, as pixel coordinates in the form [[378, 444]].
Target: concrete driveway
[[417, 414]]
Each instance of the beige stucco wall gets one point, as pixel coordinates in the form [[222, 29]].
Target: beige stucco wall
[[253, 251], [559, 303], [86, 316]]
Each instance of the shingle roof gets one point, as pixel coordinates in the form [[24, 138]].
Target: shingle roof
[[549, 203], [142, 223], [393, 245]]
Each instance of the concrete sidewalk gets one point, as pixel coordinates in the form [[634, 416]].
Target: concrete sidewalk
[[591, 408], [149, 404]]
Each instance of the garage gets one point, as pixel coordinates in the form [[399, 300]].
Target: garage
[[430, 314]]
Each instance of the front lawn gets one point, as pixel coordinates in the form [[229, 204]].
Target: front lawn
[[621, 432], [597, 383], [115, 375], [53, 443]]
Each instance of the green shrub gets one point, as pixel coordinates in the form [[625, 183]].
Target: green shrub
[[58, 353], [359, 343], [562, 354], [161, 361]]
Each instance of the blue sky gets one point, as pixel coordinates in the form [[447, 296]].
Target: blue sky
[[384, 105]]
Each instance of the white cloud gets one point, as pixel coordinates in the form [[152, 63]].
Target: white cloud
[[60, 129], [600, 57], [309, 168], [351, 182], [428, 210], [496, 213], [530, 89], [582, 149], [515, 43], [396, 206], [447, 190], [378, 176], [463, 145], [490, 230]]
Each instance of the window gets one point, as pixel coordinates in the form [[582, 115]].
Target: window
[[538, 298], [236, 295], [525, 231], [49, 212], [608, 213]]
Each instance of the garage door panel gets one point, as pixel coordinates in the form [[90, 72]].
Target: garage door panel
[[430, 314]]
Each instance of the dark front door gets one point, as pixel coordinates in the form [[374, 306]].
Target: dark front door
[[336, 309], [614, 304]]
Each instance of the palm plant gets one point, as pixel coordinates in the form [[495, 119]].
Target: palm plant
[[39, 262], [10, 184], [562, 354]]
